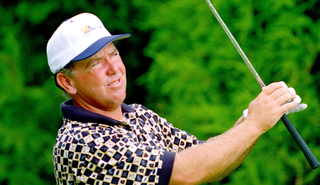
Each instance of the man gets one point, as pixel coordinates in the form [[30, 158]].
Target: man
[[104, 141]]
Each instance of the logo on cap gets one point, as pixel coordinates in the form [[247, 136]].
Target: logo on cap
[[87, 29]]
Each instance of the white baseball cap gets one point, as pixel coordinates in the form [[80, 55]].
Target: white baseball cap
[[76, 39]]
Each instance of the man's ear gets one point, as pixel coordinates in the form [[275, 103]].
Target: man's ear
[[66, 82]]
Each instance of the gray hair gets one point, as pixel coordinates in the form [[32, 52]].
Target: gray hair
[[69, 71]]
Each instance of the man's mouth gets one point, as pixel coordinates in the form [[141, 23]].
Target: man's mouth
[[114, 83]]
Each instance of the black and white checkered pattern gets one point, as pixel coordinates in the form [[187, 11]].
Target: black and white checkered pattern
[[131, 152]]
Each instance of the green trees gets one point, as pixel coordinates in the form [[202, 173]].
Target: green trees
[[179, 63]]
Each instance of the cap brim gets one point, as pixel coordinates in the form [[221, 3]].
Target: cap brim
[[98, 45]]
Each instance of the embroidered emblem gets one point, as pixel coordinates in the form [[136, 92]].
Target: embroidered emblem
[[86, 29]]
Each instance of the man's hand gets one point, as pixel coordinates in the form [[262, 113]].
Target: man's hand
[[268, 107], [300, 106]]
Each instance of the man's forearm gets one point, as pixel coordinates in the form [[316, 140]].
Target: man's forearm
[[237, 163], [215, 158], [234, 165], [240, 160]]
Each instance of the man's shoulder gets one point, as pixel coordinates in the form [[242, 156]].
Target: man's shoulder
[[134, 106], [137, 106], [83, 132], [142, 110]]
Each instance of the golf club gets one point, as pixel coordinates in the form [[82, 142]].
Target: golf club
[[314, 163]]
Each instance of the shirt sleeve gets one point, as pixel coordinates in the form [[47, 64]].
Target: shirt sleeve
[[176, 139]]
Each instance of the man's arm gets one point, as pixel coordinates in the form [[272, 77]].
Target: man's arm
[[237, 163], [211, 161], [216, 158]]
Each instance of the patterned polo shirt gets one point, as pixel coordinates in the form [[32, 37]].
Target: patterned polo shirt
[[94, 149]]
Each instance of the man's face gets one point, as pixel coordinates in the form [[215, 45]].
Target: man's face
[[100, 80]]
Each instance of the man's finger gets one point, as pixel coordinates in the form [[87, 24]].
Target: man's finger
[[298, 108], [271, 88]]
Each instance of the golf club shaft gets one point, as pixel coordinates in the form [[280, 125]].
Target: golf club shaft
[[314, 163]]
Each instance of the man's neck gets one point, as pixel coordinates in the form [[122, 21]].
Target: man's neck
[[114, 112]]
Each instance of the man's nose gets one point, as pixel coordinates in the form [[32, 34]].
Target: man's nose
[[112, 67]]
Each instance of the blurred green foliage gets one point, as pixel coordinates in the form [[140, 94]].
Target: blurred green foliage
[[180, 63]]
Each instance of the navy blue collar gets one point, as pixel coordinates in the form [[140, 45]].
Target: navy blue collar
[[74, 113]]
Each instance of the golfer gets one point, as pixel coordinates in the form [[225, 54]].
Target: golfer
[[104, 141]]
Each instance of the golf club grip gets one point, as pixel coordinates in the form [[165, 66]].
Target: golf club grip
[[313, 161]]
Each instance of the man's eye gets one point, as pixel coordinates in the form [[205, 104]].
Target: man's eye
[[95, 63], [115, 54]]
